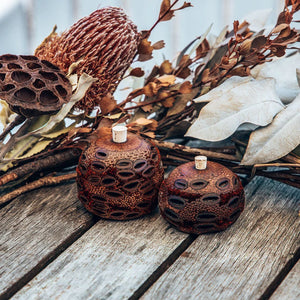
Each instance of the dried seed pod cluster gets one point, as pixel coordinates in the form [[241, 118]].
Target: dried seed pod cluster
[[31, 86], [106, 41], [201, 201], [119, 181]]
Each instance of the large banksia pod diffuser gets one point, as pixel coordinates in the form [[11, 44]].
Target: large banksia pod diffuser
[[106, 41], [201, 197], [118, 176], [31, 86]]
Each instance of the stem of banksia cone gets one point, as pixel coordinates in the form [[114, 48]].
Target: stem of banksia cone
[[106, 40]]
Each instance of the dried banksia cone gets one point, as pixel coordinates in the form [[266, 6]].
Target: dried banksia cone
[[31, 86], [200, 197], [118, 176], [106, 41]]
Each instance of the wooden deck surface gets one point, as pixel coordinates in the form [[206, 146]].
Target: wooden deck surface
[[51, 248]]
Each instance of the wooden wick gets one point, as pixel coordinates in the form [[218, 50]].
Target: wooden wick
[[200, 162], [119, 134]]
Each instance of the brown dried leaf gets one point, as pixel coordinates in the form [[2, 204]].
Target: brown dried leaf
[[166, 80], [241, 71], [259, 42], [166, 13], [279, 27], [151, 89], [168, 102], [158, 45], [149, 134], [202, 49], [145, 57], [107, 104], [185, 5], [166, 67], [185, 88], [137, 72], [245, 47], [145, 47], [183, 73], [185, 61]]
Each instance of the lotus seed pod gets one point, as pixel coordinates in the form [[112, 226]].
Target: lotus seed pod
[[119, 180], [201, 200], [106, 41], [31, 86]]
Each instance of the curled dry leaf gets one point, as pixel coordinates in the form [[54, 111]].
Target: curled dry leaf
[[237, 101], [137, 72], [276, 140], [283, 70]]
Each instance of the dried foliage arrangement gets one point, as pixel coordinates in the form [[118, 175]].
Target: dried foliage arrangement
[[209, 93]]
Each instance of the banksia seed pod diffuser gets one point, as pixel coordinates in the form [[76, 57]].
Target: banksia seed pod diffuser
[[106, 41], [31, 86], [200, 198], [118, 177]]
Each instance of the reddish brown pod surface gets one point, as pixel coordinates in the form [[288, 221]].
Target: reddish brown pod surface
[[31, 86], [119, 180], [201, 201]]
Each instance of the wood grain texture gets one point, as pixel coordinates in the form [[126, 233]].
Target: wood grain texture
[[35, 228], [242, 261], [110, 261], [289, 289]]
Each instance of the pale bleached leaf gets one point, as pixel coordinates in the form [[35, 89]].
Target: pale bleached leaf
[[237, 101], [283, 70], [276, 140]]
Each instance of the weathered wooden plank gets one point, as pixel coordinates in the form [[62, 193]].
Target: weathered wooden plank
[[289, 289], [34, 229], [241, 262], [110, 261]]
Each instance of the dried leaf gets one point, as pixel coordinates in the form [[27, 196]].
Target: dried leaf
[[283, 70], [276, 140], [166, 80], [165, 13], [158, 45], [107, 104], [151, 89], [237, 101], [259, 42], [185, 5], [166, 67], [185, 88], [137, 72], [145, 47], [280, 27]]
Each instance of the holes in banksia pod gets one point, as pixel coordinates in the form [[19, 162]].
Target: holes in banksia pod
[[146, 186], [38, 84], [114, 194], [222, 183], [28, 57], [124, 164], [100, 154], [126, 174], [2, 76], [131, 185], [176, 201], [212, 197], [148, 172], [198, 184], [20, 76], [206, 217], [50, 65], [9, 57], [48, 98], [25, 95], [33, 66], [98, 166], [98, 198], [233, 202], [8, 87], [172, 215], [139, 165], [49, 75], [108, 181], [132, 215], [117, 214], [60, 89], [150, 193], [181, 184], [13, 66], [205, 227]]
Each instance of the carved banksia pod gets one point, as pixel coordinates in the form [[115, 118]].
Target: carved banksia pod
[[119, 177], [106, 41], [31, 86], [200, 198]]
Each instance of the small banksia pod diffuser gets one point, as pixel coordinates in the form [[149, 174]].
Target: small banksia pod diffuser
[[119, 175], [201, 196], [106, 41], [31, 86]]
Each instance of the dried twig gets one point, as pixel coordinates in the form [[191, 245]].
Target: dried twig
[[45, 181]]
